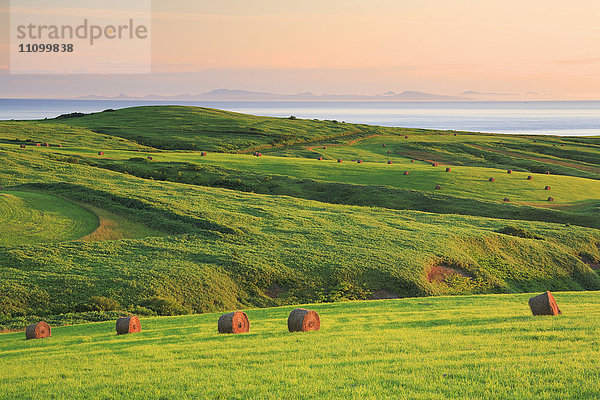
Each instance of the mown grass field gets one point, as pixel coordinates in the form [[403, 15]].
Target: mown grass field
[[184, 233], [484, 347]]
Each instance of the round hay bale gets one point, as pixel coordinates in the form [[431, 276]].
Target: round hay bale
[[60, 145], [383, 145], [509, 171], [359, 161], [23, 146], [390, 162], [38, 144], [203, 154], [406, 172], [127, 325], [259, 155], [455, 134], [303, 320], [339, 160], [38, 331], [324, 147], [389, 152], [412, 160], [492, 179], [547, 172], [234, 322], [535, 141], [320, 158], [150, 158], [529, 177], [100, 153], [434, 164], [448, 169], [547, 188], [550, 198], [46, 145], [437, 187], [544, 304], [405, 137], [506, 200]]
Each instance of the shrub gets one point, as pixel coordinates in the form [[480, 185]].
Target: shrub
[[101, 303], [165, 306]]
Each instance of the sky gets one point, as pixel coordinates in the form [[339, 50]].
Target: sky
[[530, 49]]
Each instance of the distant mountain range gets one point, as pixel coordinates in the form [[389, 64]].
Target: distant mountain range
[[226, 94]]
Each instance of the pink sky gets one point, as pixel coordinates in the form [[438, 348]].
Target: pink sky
[[550, 47]]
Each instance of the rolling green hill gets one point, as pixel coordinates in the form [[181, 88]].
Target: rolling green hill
[[186, 233], [476, 347]]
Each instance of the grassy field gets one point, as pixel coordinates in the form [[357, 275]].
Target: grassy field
[[29, 217], [484, 347], [185, 233]]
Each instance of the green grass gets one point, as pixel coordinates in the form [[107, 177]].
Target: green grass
[[29, 217], [203, 234], [485, 347]]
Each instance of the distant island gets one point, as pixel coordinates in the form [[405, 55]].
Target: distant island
[[227, 94]]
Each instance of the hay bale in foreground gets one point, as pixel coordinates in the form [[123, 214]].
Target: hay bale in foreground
[[547, 188], [128, 325], [234, 322], [448, 169], [100, 153], [544, 304], [550, 198], [412, 160], [340, 160], [529, 177], [509, 171], [492, 179], [38, 331], [359, 161], [434, 164], [303, 320]]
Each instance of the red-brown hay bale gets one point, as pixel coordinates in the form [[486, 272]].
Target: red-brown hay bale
[[390, 162], [38, 331], [324, 147], [434, 164], [320, 158], [100, 153], [234, 322], [547, 172], [339, 160], [509, 171], [492, 179], [506, 200], [150, 158], [437, 187], [405, 137], [550, 198], [359, 161], [38, 144], [389, 152], [128, 325], [412, 160], [23, 146], [303, 320], [448, 169], [544, 304], [406, 172], [529, 177], [46, 145], [60, 145], [203, 154], [259, 155], [547, 188]]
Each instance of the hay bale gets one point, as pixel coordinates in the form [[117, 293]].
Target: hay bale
[[492, 179], [390, 162], [383, 145], [324, 147], [434, 164], [509, 171], [544, 304], [405, 137], [340, 160], [412, 160], [203, 154], [562, 145], [320, 158], [38, 144], [23, 146], [448, 169], [60, 145], [550, 198], [359, 161], [506, 200], [547, 172], [437, 187], [547, 188], [234, 322], [529, 177], [303, 320], [259, 155], [38, 331], [127, 325], [46, 145], [406, 172], [150, 158], [100, 153], [389, 152]]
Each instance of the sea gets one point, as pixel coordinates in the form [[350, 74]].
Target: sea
[[564, 118]]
